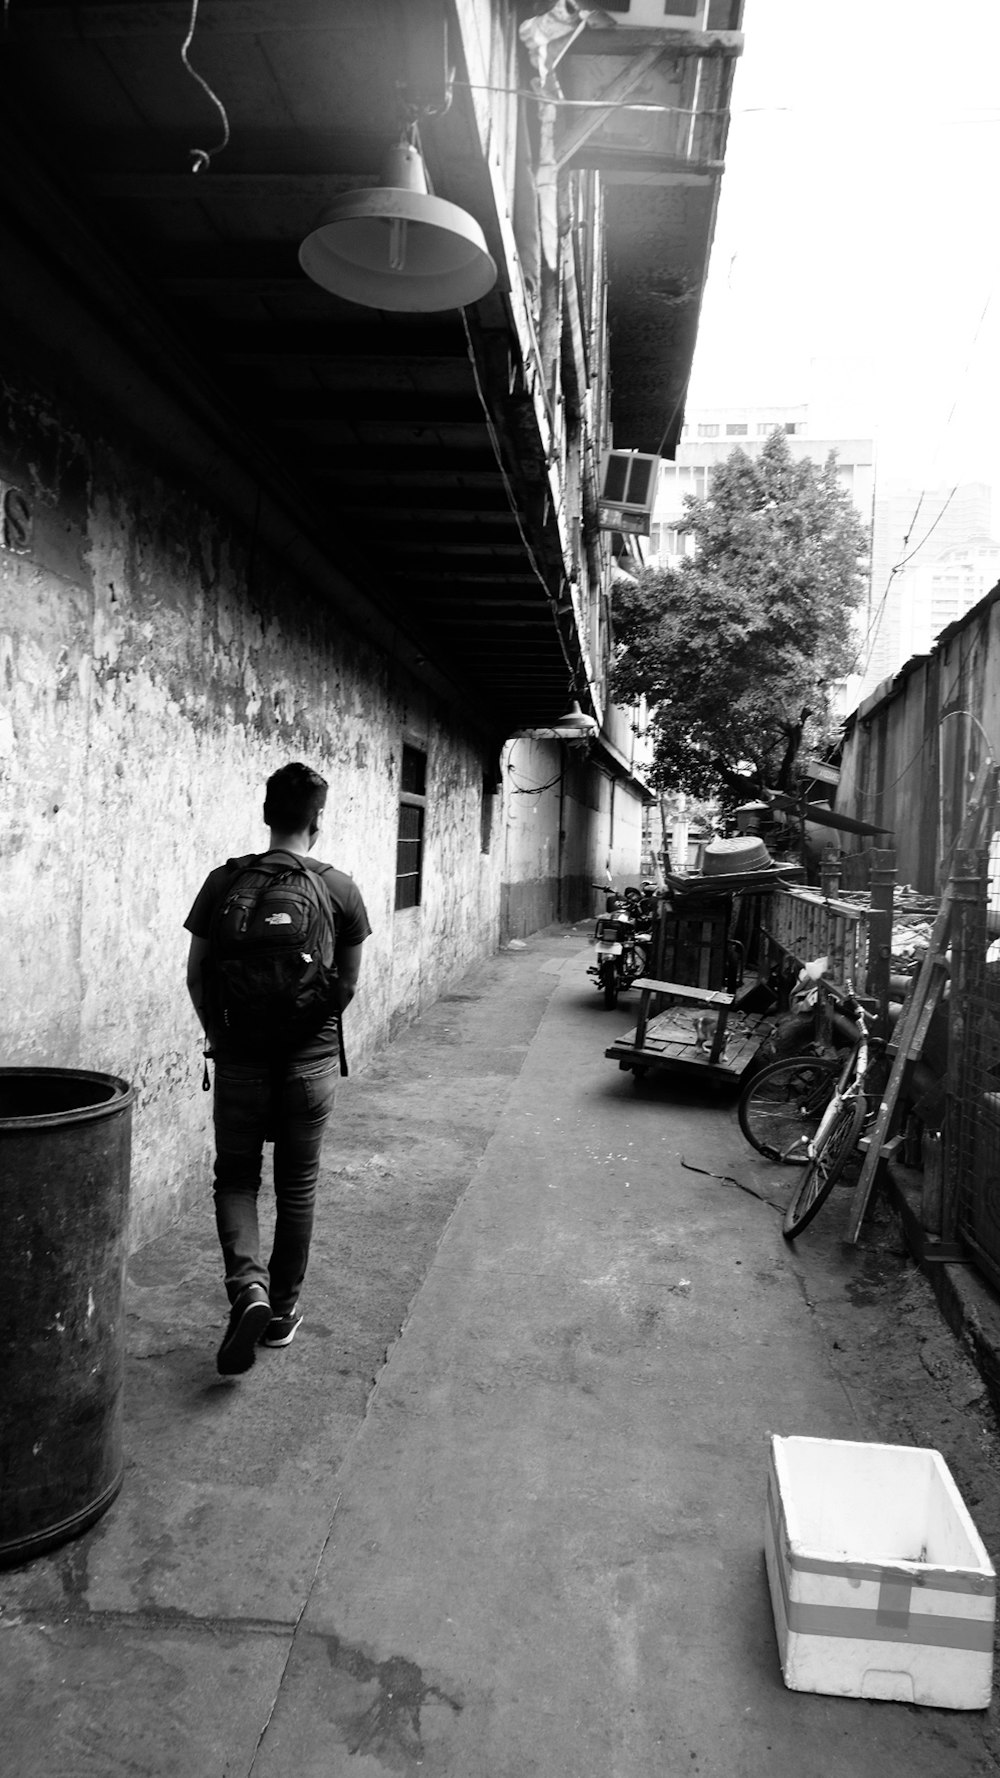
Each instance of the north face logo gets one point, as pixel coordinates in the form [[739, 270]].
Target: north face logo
[[278, 920]]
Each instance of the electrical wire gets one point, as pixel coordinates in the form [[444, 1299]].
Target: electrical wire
[[918, 547], [543, 98], [201, 157], [871, 634], [871, 796], [528, 789], [988, 743], [947, 853], [508, 489], [531, 789]]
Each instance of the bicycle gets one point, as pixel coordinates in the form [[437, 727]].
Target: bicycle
[[841, 1123], [780, 1107]]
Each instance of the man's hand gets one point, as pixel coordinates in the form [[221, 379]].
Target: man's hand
[[348, 964], [196, 956]]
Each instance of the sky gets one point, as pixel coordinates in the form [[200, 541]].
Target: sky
[[857, 245]]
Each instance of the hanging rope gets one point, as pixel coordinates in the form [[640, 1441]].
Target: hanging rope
[[201, 157]]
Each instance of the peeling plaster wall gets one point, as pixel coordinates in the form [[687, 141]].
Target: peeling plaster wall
[[154, 669], [559, 837]]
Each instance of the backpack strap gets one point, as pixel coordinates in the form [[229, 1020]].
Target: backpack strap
[[320, 871]]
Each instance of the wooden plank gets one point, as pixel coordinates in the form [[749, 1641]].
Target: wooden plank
[[821, 815], [926, 992], [684, 991], [578, 130], [969, 874], [772, 876], [719, 1040], [667, 1044], [882, 891], [806, 924]]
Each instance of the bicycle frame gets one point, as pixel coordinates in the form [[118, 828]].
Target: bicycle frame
[[850, 1084]]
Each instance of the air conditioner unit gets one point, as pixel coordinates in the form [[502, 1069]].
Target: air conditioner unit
[[628, 490]]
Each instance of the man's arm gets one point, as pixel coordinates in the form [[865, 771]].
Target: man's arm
[[195, 987], [348, 969]]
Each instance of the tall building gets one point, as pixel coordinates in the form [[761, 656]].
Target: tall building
[[707, 438], [932, 560]]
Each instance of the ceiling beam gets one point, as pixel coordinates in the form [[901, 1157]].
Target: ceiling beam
[[479, 621], [401, 407], [170, 18], [414, 465], [223, 262], [438, 607], [412, 506], [573, 135], [302, 189], [240, 340], [664, 169], [628, 40], [470, 583]]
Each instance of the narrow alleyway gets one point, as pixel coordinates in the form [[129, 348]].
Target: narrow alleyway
[[535, 1548]]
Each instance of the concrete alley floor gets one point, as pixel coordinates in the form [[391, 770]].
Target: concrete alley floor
[[534, 1548]]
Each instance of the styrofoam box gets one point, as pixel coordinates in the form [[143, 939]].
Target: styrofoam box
[[880, 1584]]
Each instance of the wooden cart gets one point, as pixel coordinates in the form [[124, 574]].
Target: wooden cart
[[688, 1019]]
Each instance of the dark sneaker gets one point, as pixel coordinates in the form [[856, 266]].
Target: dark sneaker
[[281, 1329], [250, 1313]]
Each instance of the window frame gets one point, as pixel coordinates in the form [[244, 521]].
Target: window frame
[[412, 803]]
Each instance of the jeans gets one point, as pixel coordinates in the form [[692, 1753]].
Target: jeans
[[289, 1106]]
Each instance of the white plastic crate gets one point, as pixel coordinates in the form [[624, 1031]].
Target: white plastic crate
[[880, 1584]]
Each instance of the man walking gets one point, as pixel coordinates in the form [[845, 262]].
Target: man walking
[[274, 959]]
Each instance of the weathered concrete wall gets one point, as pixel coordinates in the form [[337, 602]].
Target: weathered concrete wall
[[567, 822], [155, 669]]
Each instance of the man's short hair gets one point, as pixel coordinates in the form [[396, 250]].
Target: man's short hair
[[294, 796]]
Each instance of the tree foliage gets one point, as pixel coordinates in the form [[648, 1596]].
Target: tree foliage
[[737, 650]]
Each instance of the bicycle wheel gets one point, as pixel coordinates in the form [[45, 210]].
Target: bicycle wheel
[[822, 1173], [779, 1109]]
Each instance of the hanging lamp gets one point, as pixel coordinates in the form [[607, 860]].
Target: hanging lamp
[[396, 246], [576, 722]]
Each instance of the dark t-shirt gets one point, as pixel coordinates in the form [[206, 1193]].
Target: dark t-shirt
[[349, 911]]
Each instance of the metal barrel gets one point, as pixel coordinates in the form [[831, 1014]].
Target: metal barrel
[[65, 1154]]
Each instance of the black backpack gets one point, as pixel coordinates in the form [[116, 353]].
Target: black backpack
[[270, 980]]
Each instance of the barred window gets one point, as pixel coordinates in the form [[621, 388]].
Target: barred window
[[410, 833]]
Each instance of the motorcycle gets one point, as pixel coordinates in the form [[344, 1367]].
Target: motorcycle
[[621, 948]]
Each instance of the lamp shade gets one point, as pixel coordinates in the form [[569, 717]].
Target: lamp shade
[[576, 722], [395, 246]]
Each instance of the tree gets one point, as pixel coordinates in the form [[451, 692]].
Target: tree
[[737, 651]]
